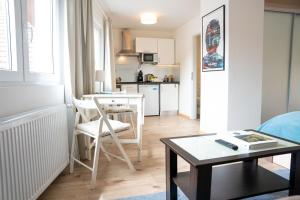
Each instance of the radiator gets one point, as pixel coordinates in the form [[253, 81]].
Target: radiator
[[33, 152]]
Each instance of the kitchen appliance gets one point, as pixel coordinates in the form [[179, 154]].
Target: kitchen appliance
[[149, 58], [150, 78], [140, 76], [151, 93], [127, 49]]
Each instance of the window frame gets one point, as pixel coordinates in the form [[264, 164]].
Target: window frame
[[99, 86], [23, 73], [102, 39], [16, 76], [40, 76]]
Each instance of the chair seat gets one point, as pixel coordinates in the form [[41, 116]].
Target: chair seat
[[93, 127], [117, 109]]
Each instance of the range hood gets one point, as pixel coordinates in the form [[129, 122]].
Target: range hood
[[127, 49]]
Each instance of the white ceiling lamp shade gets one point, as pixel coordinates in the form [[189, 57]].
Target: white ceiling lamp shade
[[148, 18]]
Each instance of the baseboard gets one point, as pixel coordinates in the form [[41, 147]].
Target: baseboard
[[169, 113], [185, 116]]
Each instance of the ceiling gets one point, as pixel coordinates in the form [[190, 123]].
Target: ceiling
[[171, 13]]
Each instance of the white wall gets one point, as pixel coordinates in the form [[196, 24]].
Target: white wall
[[214, 85], [231, 99], [185, 56], [20, 98], [245, 63]]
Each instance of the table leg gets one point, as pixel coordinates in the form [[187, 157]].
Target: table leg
[[200, 182], [171, 171], [251, 164], [139, 129], [295, 174], [139, 132]]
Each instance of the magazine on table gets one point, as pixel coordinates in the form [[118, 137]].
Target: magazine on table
[[251, 140]]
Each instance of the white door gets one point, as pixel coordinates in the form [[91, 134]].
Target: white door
[[151, 93], [166, 51], [146, 45], [168, 97], [294, 98], [275, 64]]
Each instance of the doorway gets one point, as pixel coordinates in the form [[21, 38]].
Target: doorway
[[197, 76]]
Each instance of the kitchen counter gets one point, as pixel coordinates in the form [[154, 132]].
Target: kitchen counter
[[160, 97], [150, 83]]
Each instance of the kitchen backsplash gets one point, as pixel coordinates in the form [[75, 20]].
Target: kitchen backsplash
[[128, 67]]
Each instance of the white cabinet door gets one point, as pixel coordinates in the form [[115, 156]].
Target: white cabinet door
[[146, 45], [130, 88], [151, 94], [166, 51], [168, 97]]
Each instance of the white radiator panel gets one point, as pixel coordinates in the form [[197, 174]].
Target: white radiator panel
[[33, 152]]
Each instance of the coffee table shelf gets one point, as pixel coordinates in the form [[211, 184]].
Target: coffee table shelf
[[217, 172], [237, 181]]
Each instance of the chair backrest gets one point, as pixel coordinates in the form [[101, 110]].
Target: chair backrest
[[103, 117], [82, 106]]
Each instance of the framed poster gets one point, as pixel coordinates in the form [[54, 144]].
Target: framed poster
[[213, 40]]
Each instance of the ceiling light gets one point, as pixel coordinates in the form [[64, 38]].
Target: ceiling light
[[148, 18]]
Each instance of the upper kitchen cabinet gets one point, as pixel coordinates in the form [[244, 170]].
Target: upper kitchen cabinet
[[146, 45], [165, 48], [166, 51]]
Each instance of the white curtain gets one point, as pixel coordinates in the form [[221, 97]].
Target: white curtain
[[80, 67], [109, 58], [81, 46]]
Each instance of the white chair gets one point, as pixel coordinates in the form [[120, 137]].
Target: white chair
[[100, 129], [121, 110]]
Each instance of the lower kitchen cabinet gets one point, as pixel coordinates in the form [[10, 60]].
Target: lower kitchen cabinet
[[130, 88], [151, 94], [169, 97]]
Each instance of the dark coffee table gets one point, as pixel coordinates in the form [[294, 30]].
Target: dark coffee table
[[217, 172]]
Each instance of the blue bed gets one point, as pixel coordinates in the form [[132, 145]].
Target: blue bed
[[285, 126]]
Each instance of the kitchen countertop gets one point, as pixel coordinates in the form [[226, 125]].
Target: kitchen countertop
[[150, 83]]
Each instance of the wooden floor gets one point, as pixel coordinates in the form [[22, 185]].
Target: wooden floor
[[115, 180]]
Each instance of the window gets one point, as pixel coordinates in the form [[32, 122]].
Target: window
[[98, 35], [27, 49], [99, 47], [8, 56], [40, 36], [99, 53]]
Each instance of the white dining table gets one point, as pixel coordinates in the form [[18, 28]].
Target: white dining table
[[134, 99]]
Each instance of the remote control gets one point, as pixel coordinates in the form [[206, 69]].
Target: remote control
[[227, 144]]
